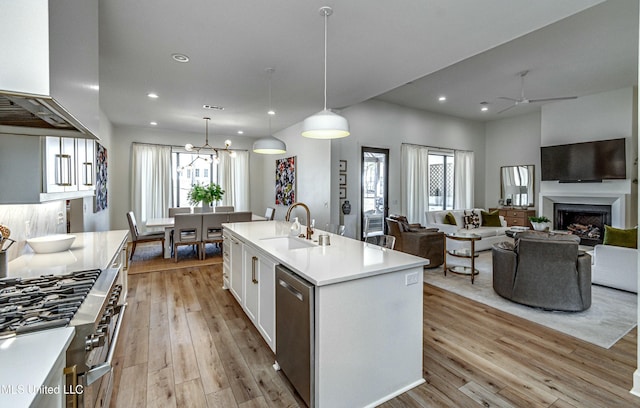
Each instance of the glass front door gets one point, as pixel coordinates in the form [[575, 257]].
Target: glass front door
[[375, 186]]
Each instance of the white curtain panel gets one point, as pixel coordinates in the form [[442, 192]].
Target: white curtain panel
[[463, 180], [414, 184], [233, 177], [151, 184]]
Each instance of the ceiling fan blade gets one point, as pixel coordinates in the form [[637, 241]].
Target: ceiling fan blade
[[506, 109], [508, 99], [560, 98]]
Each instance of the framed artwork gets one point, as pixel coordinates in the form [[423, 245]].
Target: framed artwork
[[100, 202], [342, 178], [286, 181], [343, 193], [343, 166]]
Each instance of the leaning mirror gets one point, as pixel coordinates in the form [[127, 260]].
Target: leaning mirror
[[516, 185]]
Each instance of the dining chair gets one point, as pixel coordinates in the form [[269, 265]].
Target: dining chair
[[270, 213], [136, 236], [212, 229], [178, 210], [386, 241], [187, 231], [240, 216], [223, 209], [335, 229]]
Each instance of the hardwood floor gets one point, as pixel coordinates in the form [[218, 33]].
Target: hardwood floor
[[187, 343]]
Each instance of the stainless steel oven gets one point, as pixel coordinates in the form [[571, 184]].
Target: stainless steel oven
[[90, 354]]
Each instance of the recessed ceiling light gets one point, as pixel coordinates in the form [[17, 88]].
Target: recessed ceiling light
[[442, 98], [271, 112], [152, 95], [153, 123], [241, 132], [180, 57], [484, 106], [213, 107]]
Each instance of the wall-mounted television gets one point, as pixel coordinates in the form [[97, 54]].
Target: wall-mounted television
[[584, 162]]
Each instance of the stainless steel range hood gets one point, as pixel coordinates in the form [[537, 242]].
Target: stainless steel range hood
[[37, 115]]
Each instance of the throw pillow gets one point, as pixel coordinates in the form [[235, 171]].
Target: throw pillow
[[450, 219], [491, 219], [627, 238], [471, 219]]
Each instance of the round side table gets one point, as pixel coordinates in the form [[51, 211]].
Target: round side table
[[462, 253]]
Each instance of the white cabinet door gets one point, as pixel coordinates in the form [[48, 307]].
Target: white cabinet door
[[85, 164], [235, 264], [60, 156], [251, 274], [267, 301]]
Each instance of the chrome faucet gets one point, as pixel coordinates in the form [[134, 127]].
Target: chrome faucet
[[291, 207]]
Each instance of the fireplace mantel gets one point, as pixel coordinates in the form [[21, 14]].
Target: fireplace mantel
[[609, 192]]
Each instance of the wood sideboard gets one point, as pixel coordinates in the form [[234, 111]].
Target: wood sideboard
[[516, 216]]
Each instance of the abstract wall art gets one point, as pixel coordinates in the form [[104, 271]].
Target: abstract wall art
[[286, 181]]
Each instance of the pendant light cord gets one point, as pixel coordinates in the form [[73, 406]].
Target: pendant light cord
[[326, 18]]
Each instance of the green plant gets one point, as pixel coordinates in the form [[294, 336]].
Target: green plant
[[205, 193], [541, 218]]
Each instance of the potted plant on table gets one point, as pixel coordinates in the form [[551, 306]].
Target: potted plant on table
[[205, 194], [540, 223]]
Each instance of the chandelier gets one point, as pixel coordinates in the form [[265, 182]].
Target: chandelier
[[205, 151]]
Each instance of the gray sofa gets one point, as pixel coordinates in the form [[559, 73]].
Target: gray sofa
[[543, 270]]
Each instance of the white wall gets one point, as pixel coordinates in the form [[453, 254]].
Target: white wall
[[511, 141], [120, 161], [313, 176], [380, 124]]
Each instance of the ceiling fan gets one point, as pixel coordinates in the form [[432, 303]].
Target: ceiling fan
[[523, 101]]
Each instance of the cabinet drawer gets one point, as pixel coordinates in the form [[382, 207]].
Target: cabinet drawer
[[520, 222]]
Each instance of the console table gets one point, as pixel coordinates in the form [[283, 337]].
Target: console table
[[516, 216]]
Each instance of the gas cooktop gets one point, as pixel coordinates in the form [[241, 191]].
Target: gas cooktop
[[44, 302]]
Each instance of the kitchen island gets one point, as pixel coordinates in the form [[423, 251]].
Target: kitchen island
[[366, 313]]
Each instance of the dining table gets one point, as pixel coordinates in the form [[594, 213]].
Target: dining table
[[168, 223]]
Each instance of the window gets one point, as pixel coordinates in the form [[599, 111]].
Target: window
[[188, 171], [441, 170]]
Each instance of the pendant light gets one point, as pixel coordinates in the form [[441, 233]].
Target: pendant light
[[207, 150], [269, 144], [325, 124]]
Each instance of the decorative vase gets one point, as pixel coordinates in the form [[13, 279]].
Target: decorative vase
[[346, 207], [206, 207], [541, 226]]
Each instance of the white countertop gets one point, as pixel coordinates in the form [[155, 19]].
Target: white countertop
[[90, 250], [27, 360], [343, 260]]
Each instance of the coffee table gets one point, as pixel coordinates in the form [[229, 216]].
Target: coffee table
[[462, 253]]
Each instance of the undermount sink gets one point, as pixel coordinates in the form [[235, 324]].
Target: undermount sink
[[289, 242]]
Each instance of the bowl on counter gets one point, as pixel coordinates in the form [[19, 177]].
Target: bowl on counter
[[51, 243]]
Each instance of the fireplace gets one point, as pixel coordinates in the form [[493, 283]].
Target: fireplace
[[585, 220]]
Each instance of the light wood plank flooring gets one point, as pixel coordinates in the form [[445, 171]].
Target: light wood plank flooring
[[186, 343]]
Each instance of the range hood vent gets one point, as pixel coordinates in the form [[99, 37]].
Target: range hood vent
[[37, 116]]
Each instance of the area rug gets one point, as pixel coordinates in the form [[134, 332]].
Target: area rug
[[613, 313]]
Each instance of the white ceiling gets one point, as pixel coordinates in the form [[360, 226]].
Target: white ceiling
[[374, 47]]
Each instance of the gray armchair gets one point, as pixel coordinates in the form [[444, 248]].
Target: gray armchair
[[416, 240], [543, 270]]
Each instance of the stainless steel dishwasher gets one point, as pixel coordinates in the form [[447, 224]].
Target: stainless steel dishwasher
[[294, 331]]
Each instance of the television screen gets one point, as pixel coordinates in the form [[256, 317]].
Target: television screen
[[584, 162]]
